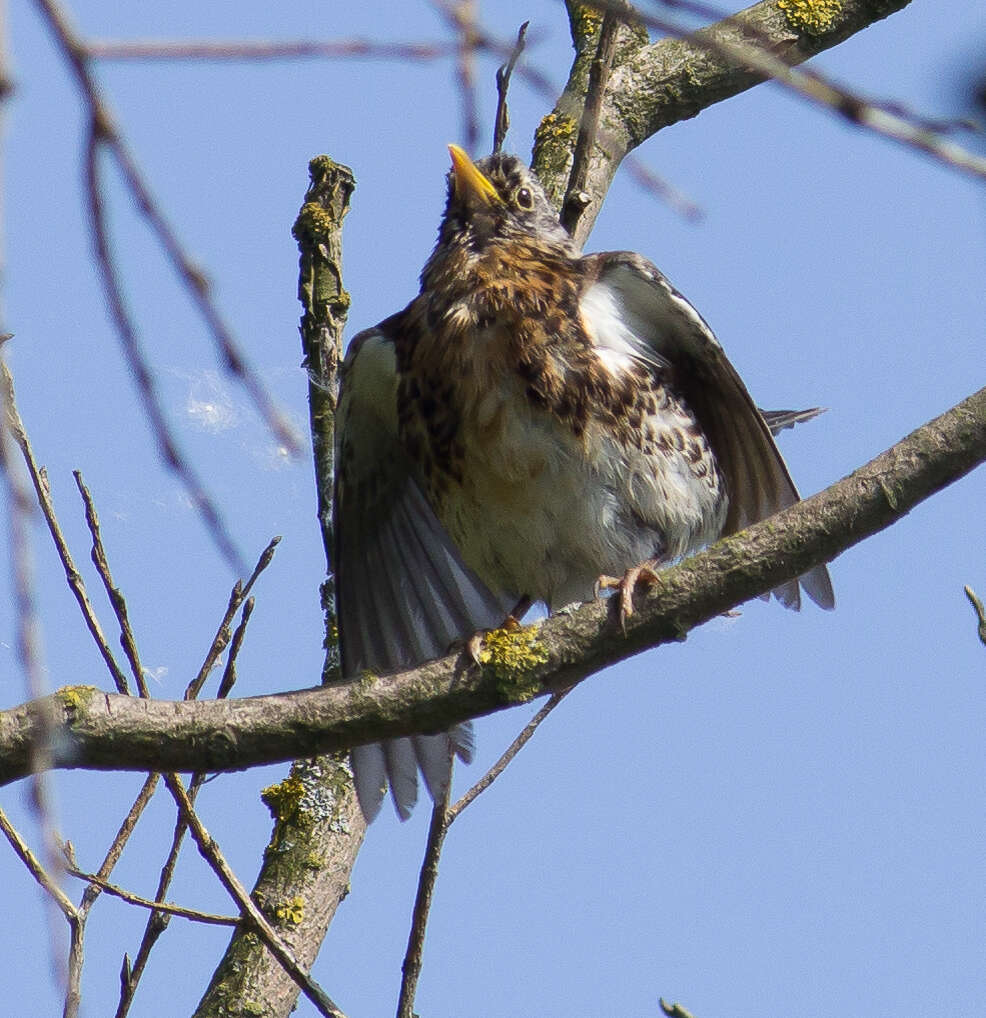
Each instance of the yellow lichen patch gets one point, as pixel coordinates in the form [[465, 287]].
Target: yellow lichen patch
[[291, 912], [313, 221], [813, 17], [284, 798], [76, 698], [588, 19], [513, 654], [555, 127]]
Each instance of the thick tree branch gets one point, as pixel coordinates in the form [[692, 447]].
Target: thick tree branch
[[653, 86], [112, 732]]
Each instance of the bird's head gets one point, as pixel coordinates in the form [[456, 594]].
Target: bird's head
[[497, 197]]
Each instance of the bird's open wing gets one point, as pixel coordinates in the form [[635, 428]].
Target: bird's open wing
[[403, 594], [672, 332]]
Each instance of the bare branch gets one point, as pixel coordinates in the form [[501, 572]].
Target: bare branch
[[35, 867], [511, 751], [247, 50], [411, 969], [109, 731], [980, 611], [229, 672], [442, 817], [676, 78], [157, 922], [38, 745], [115, 850], [461, 15], [577, 198], [117, 600], [220, 641], [43, 492], [78, 58], [501, 122], [318, 231], [103, 134], [211, 853], [158, 906], [167, 445]]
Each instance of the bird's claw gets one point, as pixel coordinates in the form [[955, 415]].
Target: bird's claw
[[645, 572], [474, 645]]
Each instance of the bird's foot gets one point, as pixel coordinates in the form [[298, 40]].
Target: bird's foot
[[645, 573], [474, 645]]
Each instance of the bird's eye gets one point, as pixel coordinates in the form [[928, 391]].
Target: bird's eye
[[525, 199]]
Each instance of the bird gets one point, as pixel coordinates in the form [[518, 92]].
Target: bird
[[535, 424]]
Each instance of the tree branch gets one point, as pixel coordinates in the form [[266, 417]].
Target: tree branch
[[112, 732], [315, 810], [654, 86]]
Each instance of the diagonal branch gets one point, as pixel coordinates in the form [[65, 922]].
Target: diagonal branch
[[112, 732], [654, 86], [251, 913]]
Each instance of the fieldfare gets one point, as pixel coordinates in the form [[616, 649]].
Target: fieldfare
[[534, 420]]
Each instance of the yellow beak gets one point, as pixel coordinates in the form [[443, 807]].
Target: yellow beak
[[470, 182]]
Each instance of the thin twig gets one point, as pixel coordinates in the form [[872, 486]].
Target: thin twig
[[512, 750], [674, 1010], [654, 184], [157, 922], [117, 600], [229, 672], [79, 58], [167, 445], [43, 492], [442, 817], [755, 54], [77, 924], [28, 630], [980, 611], [35, 867], [462, 14], [75, 917], [411, 969], [115, 850], [158, 906], [211, 853], [223, 634], [501, 122], [241, 49]]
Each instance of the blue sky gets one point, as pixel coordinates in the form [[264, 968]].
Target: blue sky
[[783, 815]]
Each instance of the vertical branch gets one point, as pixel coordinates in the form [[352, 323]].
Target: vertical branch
[[577, 199], [501, 123], [318, 231], [315, 810], [326, 307], [251, 914], [422, 904], [442, 817], [557, 134]]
